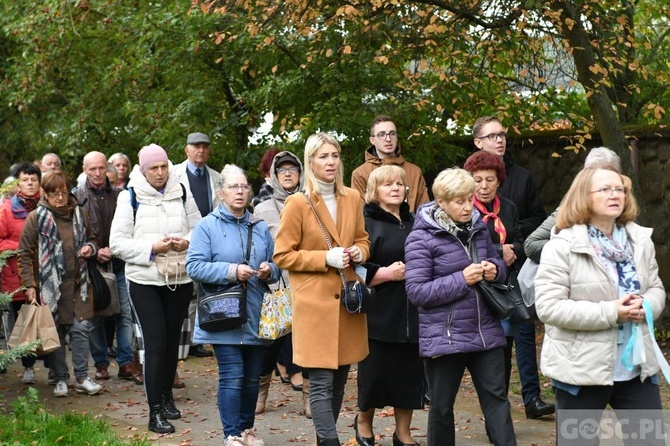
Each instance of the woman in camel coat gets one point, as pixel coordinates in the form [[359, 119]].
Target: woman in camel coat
[[326, 338]]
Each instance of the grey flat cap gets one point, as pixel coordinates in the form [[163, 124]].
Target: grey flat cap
[[197, 138]]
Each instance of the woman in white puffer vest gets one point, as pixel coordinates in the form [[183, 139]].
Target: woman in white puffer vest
[[152, 227]]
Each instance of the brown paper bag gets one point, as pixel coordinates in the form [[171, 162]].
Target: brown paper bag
[[25, 327], [46, 331]]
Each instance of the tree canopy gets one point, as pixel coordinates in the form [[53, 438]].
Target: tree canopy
[[112, 76]]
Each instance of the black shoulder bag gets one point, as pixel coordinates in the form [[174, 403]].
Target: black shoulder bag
[[503, 299], [222, 307], [357, 297]]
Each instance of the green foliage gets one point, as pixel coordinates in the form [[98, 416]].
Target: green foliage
[[114, 76], [8, 357], [30, 424]]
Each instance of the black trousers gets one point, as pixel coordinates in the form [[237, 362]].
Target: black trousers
[[160, 312], [641, 423], [444, 375]]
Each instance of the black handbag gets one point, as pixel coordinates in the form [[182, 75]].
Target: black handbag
[[356, 296], [503, 299], [102, 289], [222, 307]]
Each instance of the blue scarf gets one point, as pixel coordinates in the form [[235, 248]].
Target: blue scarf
[[617, 250]]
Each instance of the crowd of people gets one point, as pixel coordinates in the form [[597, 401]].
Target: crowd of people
[[162, 229]]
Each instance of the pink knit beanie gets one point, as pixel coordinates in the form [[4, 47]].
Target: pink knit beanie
[[150, 155]]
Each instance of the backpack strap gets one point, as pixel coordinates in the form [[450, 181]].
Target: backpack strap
[[134, 204]]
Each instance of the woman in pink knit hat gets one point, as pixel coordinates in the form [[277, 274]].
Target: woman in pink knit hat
[[152, 227]]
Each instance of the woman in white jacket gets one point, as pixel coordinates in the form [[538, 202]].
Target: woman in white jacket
[[153, 223], [597, 279]]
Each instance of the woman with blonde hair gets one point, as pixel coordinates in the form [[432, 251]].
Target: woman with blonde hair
[[456, 328], [393, 328], [322, 235], [597, 286]]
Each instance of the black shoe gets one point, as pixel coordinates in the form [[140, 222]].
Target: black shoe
[[285, 380], [170, 411], [328, 441], [397, 442], [362, 441], [157, 422], [538, 408], [199, 351], [112, 352]]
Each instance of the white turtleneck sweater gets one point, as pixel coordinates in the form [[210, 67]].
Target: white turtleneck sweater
[[327, 191]]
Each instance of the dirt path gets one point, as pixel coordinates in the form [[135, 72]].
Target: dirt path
[[123, 404]]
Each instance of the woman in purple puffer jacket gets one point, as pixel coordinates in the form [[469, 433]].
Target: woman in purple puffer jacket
[[456, 328]]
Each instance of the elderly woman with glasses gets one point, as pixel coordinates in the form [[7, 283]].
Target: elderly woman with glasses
[[597, 288], [56, 242], [217, 255]]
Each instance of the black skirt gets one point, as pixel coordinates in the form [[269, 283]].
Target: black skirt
[[391, 375]]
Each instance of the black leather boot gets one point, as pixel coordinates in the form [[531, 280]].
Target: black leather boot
[[329, 442], [157, 421], [170, 411], [538, 408]]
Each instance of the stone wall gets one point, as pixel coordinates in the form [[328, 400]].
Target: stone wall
[[554, 176]]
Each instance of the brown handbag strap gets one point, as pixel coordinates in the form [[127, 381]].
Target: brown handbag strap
[[325, 235]]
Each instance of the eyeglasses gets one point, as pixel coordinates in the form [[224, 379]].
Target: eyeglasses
[[60, 194], [617, 190], [494, 136], [383, 135], [236, 187], [284, 170]]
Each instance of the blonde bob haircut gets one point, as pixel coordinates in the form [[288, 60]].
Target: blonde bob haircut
[[453, 183], [380, 176], [313, 144], [574, 207]]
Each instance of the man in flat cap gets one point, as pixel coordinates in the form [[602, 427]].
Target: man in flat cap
[[201, 180]]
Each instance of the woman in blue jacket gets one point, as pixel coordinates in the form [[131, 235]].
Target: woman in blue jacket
[[217, 256], [456, 328]]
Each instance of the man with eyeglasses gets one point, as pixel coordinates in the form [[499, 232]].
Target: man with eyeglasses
[[520, 188], [386, 150], [201, 181]]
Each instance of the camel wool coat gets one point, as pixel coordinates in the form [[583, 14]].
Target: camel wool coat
[[325, 335]]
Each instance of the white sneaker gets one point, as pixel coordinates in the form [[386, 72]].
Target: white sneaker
[[234, 441], [28, 376], [250, 439], [88, 386], [60, 389]]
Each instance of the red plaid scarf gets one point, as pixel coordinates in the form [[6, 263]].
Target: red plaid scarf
[[497, 222]]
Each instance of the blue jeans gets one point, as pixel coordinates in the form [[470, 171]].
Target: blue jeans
[[526, 361], [239, 378], [124, 329]]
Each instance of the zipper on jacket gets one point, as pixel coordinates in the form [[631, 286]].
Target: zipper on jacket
[[407, 321], [449, 321], [479, 319]]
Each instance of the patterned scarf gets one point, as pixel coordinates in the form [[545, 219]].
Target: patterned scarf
[[617, 250], [617, 253], [460, 230], [51, 259], [23, 205], [498, 225]]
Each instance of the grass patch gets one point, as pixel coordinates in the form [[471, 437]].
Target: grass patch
[[30, 424]]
